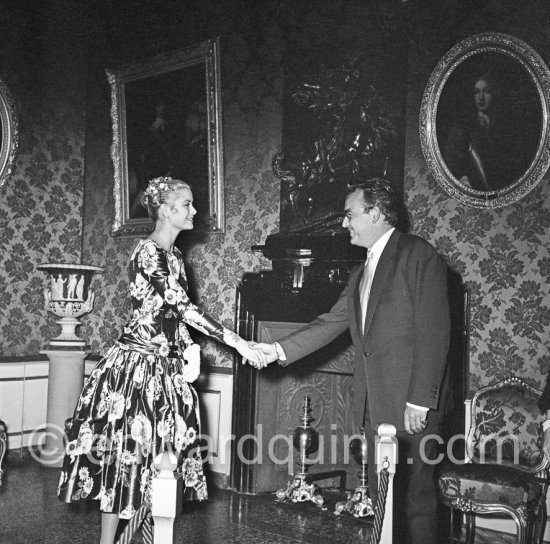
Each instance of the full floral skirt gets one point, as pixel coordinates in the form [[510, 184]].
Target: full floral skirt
[[131, 408]]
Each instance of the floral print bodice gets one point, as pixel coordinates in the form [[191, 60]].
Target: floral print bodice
[[161, 307]]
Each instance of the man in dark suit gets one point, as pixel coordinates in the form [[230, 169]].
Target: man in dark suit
[[397, 310]]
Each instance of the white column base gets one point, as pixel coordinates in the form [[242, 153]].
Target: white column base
[[65, 381]]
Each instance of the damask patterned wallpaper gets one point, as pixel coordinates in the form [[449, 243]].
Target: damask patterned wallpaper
[[40, 222], [41, 203], [503, 255]]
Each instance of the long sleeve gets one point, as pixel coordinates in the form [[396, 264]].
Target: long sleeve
[[318, 333], [158, 272], [431, 327]]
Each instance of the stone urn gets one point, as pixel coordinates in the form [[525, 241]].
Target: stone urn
[[69, 297]]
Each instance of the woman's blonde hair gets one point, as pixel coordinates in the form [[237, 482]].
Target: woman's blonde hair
[[159, 191]]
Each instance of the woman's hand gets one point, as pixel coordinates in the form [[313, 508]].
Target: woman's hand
[[254, 356], [269, 350]]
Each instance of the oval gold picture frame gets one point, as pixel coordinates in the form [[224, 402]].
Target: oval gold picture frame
[[522, 157], [10, 134]]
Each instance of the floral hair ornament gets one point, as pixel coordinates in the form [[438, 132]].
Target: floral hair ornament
[[156, 187]]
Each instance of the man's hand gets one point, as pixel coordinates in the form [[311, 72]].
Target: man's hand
[[254, 356], [267, 349], [415, 420]]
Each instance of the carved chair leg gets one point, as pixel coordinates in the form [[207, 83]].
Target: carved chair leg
[[530, 529], [455, 525], [3, 446], [521, 536], [542, 526], [540, 523], [470, 521], [533, 530]]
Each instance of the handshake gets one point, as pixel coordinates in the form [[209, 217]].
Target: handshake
[[259, 355]]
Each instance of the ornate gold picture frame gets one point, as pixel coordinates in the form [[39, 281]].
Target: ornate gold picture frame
[[9, 138], [484, 120], [167, 121]]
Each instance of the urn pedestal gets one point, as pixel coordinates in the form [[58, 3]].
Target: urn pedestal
[[65, 381], [68, 297]]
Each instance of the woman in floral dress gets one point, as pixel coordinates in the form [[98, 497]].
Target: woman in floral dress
[[139, 397]]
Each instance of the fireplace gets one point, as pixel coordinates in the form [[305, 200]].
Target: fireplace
[[267, 403]]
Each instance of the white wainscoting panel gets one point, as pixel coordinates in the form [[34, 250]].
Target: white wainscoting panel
[[216, 403], [24, 399], [24, 393], [12, 376]]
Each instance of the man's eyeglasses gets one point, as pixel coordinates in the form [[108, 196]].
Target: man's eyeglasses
[[349, 214]]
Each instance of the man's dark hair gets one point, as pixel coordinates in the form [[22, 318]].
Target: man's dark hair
[[378, 192]]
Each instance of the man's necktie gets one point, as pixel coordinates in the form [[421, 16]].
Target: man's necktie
[[364, 288]]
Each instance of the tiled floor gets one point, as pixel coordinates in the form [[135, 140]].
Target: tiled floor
[[31, 514]]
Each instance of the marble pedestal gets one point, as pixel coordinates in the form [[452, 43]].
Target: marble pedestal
[[65, 381]]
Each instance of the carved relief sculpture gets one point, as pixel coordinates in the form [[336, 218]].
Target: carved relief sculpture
[[351, 135]]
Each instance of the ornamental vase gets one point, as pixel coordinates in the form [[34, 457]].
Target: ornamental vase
[[69, 297]]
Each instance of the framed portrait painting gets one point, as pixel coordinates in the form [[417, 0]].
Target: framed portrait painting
[[167, 121], [9, 136], [484, 120]]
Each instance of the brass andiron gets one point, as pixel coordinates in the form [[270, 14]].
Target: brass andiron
[[358, 502], [306, 441]]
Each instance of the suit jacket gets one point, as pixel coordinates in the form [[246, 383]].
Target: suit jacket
[[400, 355]]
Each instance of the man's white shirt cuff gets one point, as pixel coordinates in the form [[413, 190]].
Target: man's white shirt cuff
[[417, 407], [279, 351]]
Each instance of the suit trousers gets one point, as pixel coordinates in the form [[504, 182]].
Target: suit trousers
[[415, 493]]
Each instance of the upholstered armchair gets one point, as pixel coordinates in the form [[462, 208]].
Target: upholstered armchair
[[506, 473]]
